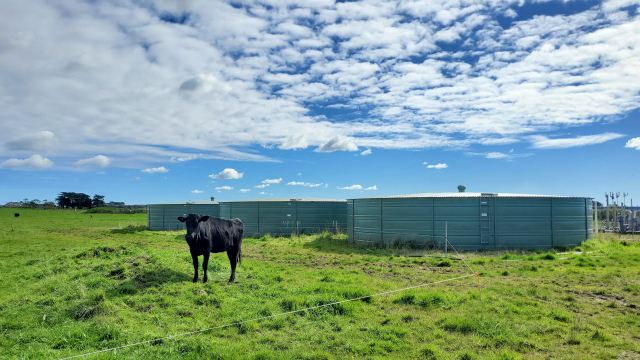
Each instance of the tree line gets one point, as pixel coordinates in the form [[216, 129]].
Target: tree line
[[64, 200], [71, 200]]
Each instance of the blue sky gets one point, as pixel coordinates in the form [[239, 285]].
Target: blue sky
[[155, 101]]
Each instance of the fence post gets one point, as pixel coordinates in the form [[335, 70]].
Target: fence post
[[446, 240]]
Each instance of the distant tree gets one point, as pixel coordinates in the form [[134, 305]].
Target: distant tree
[[98, 201], [48, 204], [67, 200]]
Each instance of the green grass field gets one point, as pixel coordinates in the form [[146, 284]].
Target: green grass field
[[72, 284]]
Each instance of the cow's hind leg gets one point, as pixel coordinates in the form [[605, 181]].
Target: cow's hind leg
[[205, 265], [233, 260], [195, 267]]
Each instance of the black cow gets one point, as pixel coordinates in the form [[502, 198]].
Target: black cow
[[16, 215], [208, 234]]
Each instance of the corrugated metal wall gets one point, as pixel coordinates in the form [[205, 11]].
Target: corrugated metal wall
[[286, 217], [165, 216], [473, 222]]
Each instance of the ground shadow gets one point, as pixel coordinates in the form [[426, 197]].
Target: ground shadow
[[329, 244], [131, 229], [149, 278]]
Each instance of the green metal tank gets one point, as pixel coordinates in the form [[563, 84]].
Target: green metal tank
[[472, 221], [286, 216], [165, 216]]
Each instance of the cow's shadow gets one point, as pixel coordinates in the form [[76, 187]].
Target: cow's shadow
[[156, 277]]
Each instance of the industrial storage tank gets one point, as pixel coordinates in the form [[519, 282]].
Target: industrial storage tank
[[284, 216], [165, 216], [472, 221]]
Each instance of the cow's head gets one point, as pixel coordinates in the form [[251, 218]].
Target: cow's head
[[192, 226]]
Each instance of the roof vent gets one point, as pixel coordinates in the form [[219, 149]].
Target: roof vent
[[461, 188]]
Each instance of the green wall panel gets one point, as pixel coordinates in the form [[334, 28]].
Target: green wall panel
[[487, 222]]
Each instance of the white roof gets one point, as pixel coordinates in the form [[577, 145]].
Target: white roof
[[471, 195], [189, 203], [288, 200]]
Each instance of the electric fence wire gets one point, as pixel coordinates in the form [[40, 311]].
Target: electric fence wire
[[266, 317]]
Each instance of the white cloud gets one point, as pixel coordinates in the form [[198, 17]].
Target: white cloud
[[299, 173], [366, 152], [352, 187], [339, 143], [206, 83], [35, 162], [294, 142], [39, 141], [272, 181], [231, 79], [99, 161], [224, 188], [543, 142], [263, 193], [244, 190], [633, 143], [372, 188], [299, 183], [160, 169], [197, 191], [510, 13], [261, 186], [437, 166], [185, 158], [227, 173], [496, 155]]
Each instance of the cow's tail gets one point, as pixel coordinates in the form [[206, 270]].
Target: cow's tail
[[240, 256]]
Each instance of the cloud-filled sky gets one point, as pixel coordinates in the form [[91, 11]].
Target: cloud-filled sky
[[388, 96]]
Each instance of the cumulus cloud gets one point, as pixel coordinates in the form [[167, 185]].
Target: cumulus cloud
[[543, 142], [261, 186], [510, 13], [39, 141], [366, 152], [154, 170], [633, 143], [352, 187], [263, 193], [35, 162], [197, 191], [272, 181], [437, 166], [295, 77], [372, 188], [206, 83], [299, 183], [96, 161], [224, 188], [339, 143], [227, 173], [244, 190]]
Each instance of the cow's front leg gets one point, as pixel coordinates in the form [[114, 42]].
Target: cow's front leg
[[205, 264], [233, 260], [195, 267]]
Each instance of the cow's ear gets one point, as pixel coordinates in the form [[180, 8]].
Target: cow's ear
[[204, 218], [182, 219]]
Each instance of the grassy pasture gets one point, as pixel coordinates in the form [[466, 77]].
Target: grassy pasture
[[72, 284]]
